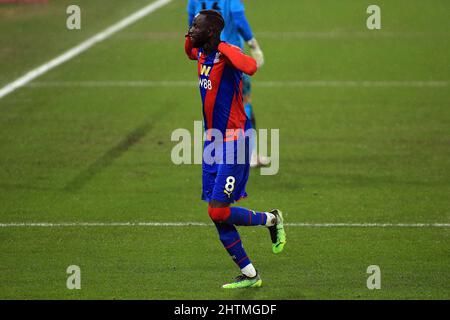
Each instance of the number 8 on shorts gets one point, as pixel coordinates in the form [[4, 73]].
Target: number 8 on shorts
[[229, 186]]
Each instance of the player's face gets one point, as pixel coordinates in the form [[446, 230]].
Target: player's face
[[199, 31]]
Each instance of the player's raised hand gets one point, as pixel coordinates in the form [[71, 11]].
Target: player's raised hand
[[256, 52]]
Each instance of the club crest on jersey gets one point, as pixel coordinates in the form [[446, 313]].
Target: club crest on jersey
[[217, 57], [204, 71]]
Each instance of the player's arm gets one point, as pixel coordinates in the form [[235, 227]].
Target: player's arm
[[191, 52], [245, 31], [238, 59]]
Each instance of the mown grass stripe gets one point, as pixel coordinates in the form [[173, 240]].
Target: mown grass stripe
[[202, 224]]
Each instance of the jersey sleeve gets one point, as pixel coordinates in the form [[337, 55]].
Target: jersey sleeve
[[191, 52], [191, 11], [238, 59], [242, 25], [236, 5]]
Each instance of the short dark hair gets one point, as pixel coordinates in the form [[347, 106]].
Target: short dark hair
[[214, 18]]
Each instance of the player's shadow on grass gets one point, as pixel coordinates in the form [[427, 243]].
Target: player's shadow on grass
[[106, 159], [247, 294]]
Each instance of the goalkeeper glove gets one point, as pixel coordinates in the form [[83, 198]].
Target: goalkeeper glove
[[256, 52]]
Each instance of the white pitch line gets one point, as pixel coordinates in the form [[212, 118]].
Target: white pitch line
[[106, 84], [350, 34], [263, 84], [202, 224], [82, 47], [349, 84]]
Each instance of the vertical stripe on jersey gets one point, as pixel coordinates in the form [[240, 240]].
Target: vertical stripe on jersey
[[202, 95], [215, 76], [229, 86], [237, 117]]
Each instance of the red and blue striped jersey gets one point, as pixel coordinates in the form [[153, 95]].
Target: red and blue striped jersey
[[220, 82]]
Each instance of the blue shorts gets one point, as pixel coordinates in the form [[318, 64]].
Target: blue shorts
[[225, 182]]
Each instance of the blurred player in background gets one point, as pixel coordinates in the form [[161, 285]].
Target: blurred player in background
[[237, 31], [220, 68]]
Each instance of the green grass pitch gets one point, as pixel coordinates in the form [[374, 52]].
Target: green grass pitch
[[74, 151]]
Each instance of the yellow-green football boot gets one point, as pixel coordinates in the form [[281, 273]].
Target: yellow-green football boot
[[243, 281], [277, 233]]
